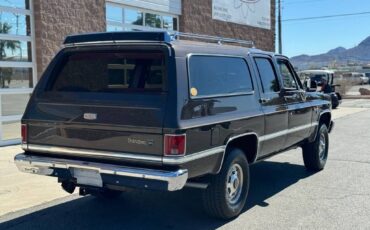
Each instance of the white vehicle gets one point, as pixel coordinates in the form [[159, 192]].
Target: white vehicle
[[356, 78], [364, 79], [313, 80]]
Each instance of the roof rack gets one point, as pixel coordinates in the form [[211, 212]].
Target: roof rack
[[145, 36], [219, 40]]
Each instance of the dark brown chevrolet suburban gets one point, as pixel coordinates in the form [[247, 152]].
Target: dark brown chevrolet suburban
[[149, 110]]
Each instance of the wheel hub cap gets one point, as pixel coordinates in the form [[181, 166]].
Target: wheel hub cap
[[234, 183], [322, 145]]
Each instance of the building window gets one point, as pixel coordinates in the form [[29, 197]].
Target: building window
[[123, 18], [17, 66]]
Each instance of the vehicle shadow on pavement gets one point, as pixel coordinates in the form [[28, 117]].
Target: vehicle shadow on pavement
[[156, 210]]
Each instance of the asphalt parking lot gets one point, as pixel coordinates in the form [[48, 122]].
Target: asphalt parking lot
[[283, 194]]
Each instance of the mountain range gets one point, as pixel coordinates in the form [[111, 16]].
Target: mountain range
[[359, 54]]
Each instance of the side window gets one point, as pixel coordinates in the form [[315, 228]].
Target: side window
[[287, 75], [267, 74], [214, 75]]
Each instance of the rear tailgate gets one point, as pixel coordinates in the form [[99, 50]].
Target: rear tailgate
[[107, 100]]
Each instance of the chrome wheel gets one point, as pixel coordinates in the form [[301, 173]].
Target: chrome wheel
[[322, 146], [234, 184]]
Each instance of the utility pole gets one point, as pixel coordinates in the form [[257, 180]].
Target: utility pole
[[279, 28]]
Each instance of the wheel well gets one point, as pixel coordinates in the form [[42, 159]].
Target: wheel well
[[248, 144], [325, 118]]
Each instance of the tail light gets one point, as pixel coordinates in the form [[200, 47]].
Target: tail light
[[174, 145], [24, 133]]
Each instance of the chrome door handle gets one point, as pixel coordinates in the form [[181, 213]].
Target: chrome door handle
[[264, 100]]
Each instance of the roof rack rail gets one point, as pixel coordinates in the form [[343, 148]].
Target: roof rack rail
[[219, 40]]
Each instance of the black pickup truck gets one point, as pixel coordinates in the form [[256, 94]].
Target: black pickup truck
[[148, 110]]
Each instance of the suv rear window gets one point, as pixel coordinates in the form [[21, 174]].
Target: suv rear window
[[109, 71], [218, 76]]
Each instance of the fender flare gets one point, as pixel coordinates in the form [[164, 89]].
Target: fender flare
[[232, 138], [313, 137]]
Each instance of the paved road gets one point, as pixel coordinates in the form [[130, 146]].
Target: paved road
[[283, 195]]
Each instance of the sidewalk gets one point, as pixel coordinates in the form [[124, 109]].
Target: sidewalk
[[21, 190]]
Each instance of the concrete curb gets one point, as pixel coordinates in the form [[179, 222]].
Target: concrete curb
[[356, 96]]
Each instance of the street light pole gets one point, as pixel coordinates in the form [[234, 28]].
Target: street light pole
[[279, 28]]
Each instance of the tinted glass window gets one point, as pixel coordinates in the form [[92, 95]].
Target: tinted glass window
[[267, 74], [211, 75], [110, 72], [287, 75]]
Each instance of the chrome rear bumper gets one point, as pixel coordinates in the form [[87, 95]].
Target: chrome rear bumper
[[148, 178]]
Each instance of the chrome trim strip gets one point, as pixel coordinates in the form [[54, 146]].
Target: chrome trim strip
[[223, 95], [92, 153], [239, 118], [46, 165], [192, 157], [286, 132], [125, 156], [267, 137]]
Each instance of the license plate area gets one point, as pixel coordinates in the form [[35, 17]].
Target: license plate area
[[87, 177]]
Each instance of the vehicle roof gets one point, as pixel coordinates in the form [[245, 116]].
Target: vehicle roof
[[182, 47], [317, 71]]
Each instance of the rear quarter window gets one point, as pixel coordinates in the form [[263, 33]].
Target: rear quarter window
[[211, 76]]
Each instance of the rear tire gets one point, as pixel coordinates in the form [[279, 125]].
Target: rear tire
[[226, 195], [315, 154]]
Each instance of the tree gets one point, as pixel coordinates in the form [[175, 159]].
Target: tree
[[6, 73]]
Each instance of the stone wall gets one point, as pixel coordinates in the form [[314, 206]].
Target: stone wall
[[197, 18], [55, 19]]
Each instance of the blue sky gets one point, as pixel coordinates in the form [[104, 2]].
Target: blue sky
[[320, 35]]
